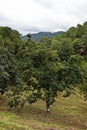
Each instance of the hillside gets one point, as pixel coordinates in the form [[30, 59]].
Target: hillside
[[65, 115], [43, 74], [38, 36]]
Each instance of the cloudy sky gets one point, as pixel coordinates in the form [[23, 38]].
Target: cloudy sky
[[31, 16]]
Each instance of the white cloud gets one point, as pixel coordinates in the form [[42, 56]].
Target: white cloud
[[42, 15]]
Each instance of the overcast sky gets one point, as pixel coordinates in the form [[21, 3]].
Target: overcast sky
[[30, 16]]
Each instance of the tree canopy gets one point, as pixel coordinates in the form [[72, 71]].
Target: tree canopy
[[30, 70]]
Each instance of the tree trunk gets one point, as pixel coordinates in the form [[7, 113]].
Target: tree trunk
[[48, 109], [47, 105]]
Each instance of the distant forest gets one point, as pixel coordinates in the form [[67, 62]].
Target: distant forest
[[38, 36]]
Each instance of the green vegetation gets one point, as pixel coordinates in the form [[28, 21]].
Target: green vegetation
[[31, 73]]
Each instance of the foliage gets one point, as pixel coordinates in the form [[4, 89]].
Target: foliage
[[30, 71]]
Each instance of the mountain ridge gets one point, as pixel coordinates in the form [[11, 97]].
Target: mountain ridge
[[39, 35]]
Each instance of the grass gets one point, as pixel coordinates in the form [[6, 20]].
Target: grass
[[67, 114]]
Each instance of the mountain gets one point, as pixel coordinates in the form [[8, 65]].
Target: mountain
[[38, 36]]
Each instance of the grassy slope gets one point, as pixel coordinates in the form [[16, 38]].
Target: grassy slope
[[67, 114]]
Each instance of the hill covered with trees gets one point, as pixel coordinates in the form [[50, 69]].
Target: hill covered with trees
[[40, 35], [30, 71]]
